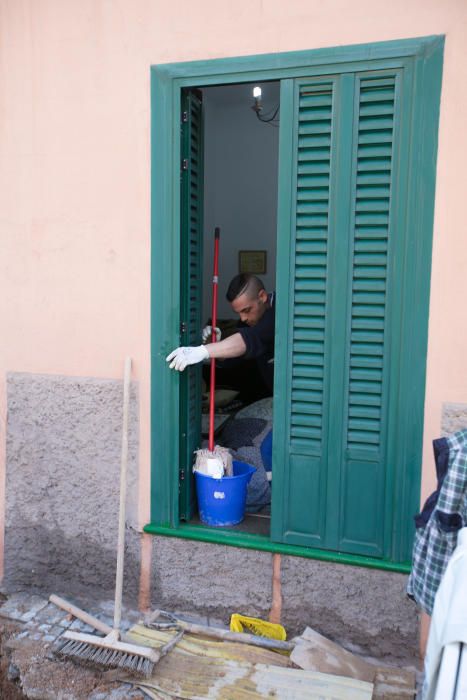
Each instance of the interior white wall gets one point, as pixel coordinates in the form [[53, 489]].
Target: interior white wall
[[240, 185]]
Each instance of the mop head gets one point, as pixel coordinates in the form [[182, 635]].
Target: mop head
[[217, 463]]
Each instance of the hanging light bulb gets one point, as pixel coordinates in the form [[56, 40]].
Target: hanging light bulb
[[257, 95], [269, 118]]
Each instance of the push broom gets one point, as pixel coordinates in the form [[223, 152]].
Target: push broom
[[110, 651], [216, 460]]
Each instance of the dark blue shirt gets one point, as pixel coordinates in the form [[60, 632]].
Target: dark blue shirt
[[259, 341]]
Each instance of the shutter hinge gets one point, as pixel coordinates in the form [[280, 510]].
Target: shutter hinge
[[184, 117], [185, 164], [182, 475], [183, 327]]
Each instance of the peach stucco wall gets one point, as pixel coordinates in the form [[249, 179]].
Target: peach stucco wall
[[75, 172]]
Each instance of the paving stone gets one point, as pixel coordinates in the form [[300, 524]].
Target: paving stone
[[51, 614], [49, 638], [65, 622], [106, 614], [53, 634], [22, 607], [56, 631], [107, 607], [80, 626], [31, 625], [130, 618]]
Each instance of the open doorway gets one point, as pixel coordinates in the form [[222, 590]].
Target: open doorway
[[237, 176]]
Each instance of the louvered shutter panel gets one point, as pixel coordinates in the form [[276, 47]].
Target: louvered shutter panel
[[304, 507], [365, 434], [309, 309], [191, 291]]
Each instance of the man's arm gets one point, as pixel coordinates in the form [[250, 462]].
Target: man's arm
[[233, 346]]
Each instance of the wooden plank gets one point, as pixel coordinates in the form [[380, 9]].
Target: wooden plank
[[313, 652], [394, 684], [179, 676]]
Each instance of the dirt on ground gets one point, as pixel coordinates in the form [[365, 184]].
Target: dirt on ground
[[27, 670], [9, 685]]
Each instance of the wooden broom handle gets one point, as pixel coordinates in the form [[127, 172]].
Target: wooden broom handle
[[80, 614], [87, 617]]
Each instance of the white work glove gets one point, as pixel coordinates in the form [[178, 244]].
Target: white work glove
[[207, 333], [182, 357]]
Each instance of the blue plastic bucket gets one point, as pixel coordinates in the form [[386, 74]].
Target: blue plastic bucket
[[221, 502]]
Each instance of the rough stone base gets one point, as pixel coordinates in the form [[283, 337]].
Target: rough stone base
[[209, 578], [364, 610], [62, 484]]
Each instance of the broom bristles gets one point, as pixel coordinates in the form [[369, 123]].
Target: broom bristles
[[92, 653]]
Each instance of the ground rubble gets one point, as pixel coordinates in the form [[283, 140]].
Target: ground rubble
[[29, 629]]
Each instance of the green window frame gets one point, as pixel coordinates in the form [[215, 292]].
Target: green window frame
[[420, 61]]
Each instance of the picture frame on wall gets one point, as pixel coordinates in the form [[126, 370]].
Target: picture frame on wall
[[253, 261]]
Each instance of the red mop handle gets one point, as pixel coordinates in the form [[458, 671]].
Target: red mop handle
[[212, 395]]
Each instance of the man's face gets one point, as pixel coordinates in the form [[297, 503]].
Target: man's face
[[250, 308]]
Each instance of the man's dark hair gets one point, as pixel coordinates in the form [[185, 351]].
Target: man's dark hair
[[242, 283]]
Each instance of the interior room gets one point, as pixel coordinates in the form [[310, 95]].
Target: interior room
[[241, 140]]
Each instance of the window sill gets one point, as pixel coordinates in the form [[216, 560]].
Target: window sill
[[262, 543]]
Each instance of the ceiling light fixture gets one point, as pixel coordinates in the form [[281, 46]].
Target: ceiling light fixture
[[257, 107]]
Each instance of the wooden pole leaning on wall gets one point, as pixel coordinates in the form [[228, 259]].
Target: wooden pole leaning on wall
[[276, 607]]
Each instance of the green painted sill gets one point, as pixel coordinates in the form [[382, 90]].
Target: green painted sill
[[264, 544]]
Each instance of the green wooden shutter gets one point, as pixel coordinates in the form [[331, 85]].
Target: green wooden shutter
[[191, 289], [368, 364], [333, 420], [306, 485]]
